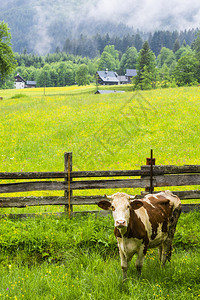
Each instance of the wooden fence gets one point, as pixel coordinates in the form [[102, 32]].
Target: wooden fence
[[148, 177]]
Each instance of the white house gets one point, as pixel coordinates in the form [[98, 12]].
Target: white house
[[20, 83]]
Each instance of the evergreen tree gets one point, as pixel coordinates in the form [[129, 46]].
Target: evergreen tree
[[196, 48], [138, 42], [176, 46], [146, 66], [156, 42], [146, 79]]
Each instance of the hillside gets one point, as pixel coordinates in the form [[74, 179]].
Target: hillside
[[37, 130], [41, 26]]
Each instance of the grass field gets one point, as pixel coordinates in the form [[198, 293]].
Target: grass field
[[57, 258], [113, 131]]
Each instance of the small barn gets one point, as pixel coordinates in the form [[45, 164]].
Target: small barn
[[107, 77]]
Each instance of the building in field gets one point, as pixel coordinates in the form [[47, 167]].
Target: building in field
[[112, 78], [107, 77], [20, 83]]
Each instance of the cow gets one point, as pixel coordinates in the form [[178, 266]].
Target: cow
[[142, 224]]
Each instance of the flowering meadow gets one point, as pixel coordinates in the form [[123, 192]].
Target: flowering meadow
[[53, 257]]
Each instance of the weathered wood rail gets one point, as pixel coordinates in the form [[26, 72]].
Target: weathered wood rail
[[149, 175]]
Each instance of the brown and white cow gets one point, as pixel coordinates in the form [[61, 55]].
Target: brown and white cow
[[142, 224]]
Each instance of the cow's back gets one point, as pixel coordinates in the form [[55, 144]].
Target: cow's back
[[159, 215]]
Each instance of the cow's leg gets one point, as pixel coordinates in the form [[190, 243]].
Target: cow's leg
[[166, 251], [124, 263], [167, 245], [160, 248], [140, 260]]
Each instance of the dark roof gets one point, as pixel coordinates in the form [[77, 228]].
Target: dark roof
[[107, 91], [19, 78], [131, 72], [108, 76]]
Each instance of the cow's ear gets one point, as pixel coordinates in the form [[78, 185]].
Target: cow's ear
[[105, 204], [135, 204]]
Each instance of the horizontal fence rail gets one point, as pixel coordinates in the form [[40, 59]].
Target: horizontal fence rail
[[158, 181], [68, 181]]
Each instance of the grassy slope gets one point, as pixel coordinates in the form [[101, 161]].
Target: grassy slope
[[81, 260], [113, 131], [35, 130]]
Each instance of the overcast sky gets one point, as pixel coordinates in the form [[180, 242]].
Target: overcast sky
[[145, 15], [149, 14]]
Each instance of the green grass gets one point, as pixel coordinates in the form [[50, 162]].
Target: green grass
[[114, 131], [36, 130], [58, 258]]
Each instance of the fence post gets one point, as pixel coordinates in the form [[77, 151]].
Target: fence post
[[68, 180], [150, 162]]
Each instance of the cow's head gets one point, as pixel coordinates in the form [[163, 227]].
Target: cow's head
[[120, 204]]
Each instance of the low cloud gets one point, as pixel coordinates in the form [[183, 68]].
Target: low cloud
[[149, 15], [145, 15]]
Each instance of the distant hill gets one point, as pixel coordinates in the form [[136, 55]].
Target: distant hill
[[42, 25]]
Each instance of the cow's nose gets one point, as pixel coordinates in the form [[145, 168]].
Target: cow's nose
[[121, 223]]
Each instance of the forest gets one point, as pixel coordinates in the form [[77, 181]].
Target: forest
[[172, 59]]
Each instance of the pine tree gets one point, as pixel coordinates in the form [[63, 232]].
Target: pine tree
[[176, 46], [146, 64]]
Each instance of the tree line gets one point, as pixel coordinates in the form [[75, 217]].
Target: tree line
[[170, 67], [93, 46]]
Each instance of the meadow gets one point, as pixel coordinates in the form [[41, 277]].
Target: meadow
[[56, 258]]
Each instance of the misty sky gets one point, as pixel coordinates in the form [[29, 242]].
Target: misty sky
[[150, 14], [145, 15]]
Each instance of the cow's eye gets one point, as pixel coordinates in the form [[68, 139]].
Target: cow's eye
[[112, 207], [128, 206]]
